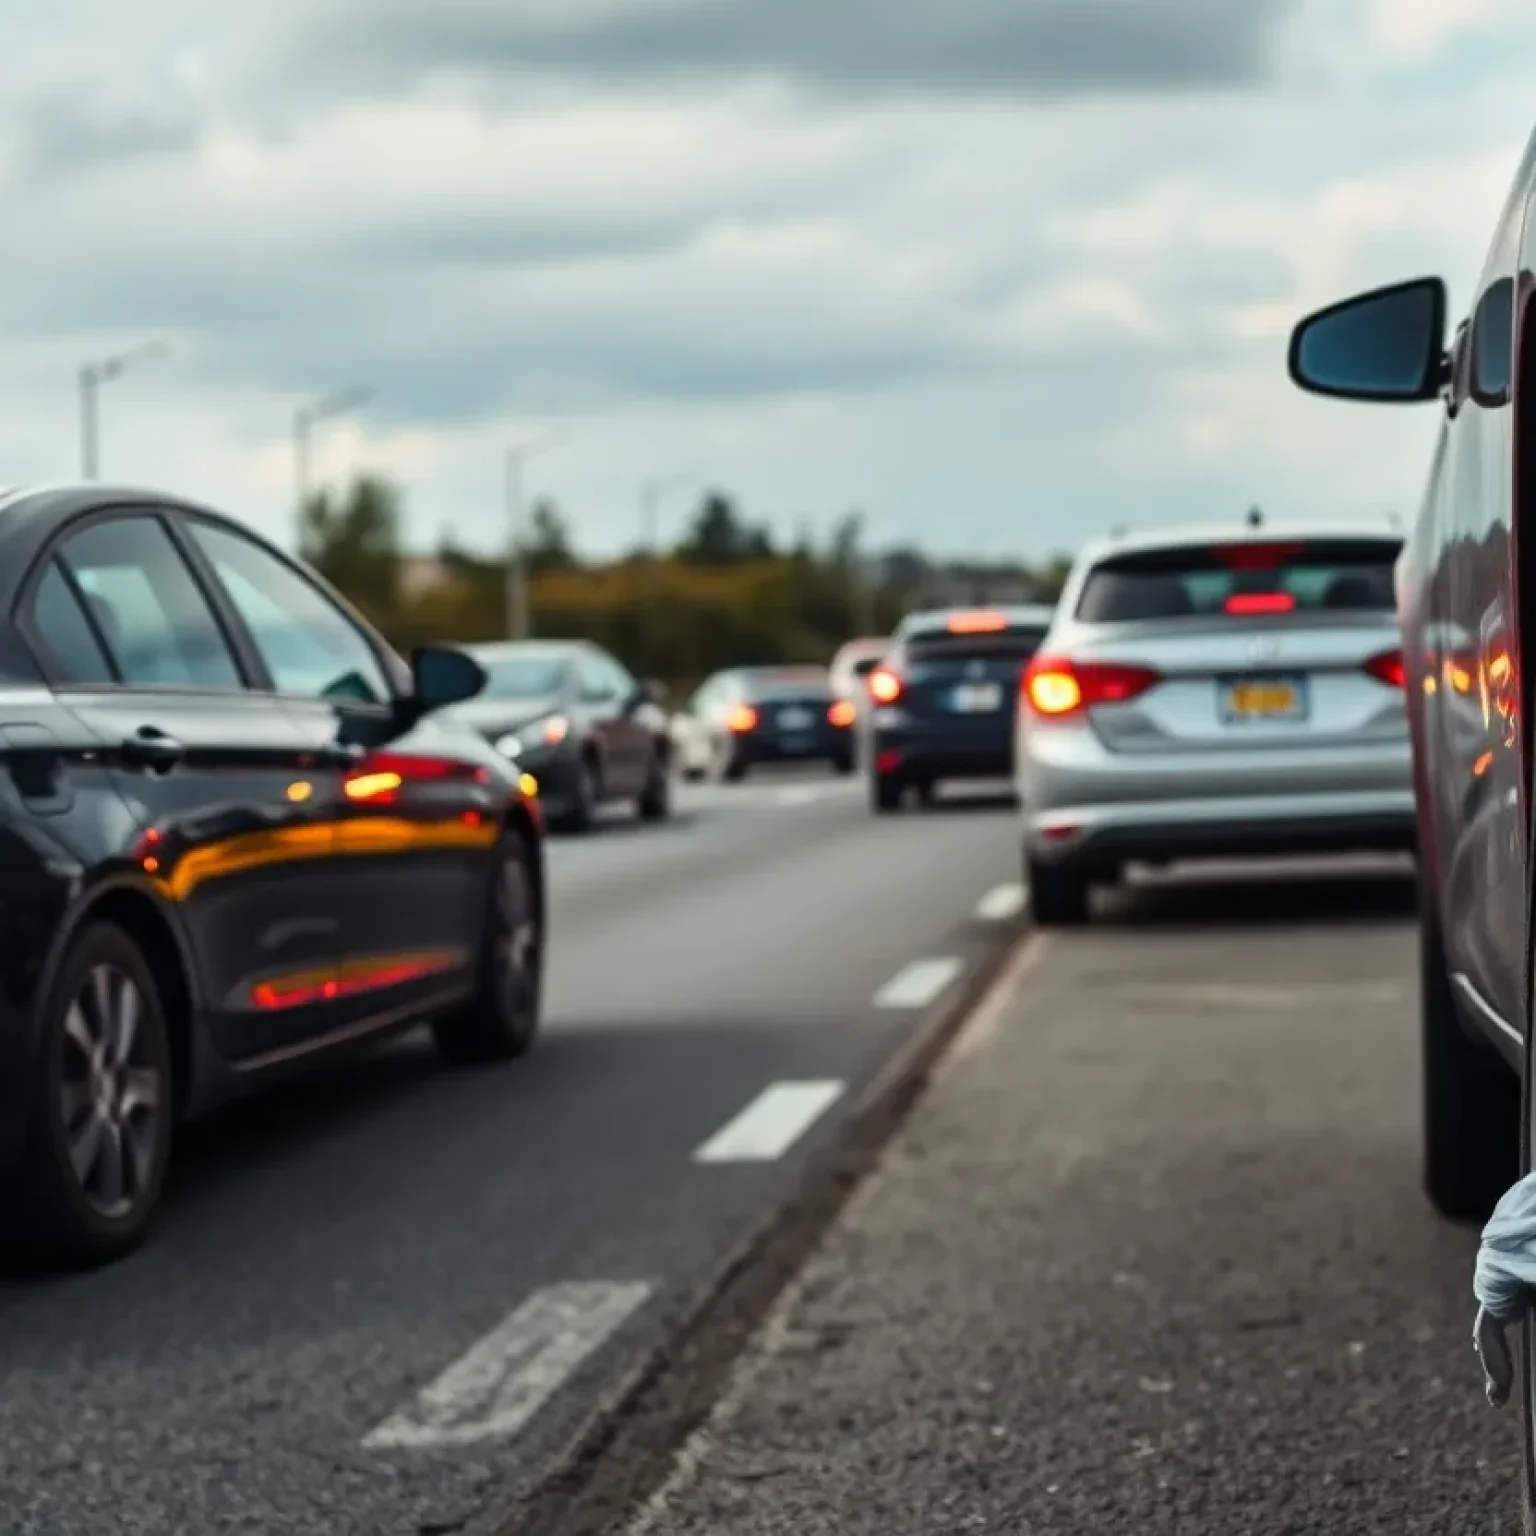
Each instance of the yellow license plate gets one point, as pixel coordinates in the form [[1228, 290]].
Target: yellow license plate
[[1259, 700]]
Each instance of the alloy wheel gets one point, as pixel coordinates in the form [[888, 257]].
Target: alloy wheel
[[517, 942], [111, 1094]]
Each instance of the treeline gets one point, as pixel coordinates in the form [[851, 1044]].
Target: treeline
[[726, 594]]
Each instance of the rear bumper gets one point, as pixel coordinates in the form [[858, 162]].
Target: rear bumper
[[1084, 804], [828, 745], [916, 753], [1104, 837]]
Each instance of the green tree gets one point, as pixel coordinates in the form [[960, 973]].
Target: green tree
[[354, 541], [720, 536], [550, 545]]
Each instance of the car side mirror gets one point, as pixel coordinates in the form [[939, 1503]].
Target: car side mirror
[[1386, 345], [441, 675]]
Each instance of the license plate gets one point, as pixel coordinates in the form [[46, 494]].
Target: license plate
[[977, 698], [793, 744], [795, 719], [1246, 699]]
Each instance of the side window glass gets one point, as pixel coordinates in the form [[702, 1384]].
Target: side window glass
[[147, 606], [1493, 344], [62, 626], [620, 682], [311, 648], [596, 681]]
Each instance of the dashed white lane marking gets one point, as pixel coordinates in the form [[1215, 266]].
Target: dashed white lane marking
[[494, 1390], [918, 984], [771, 1124], [1001, 903]]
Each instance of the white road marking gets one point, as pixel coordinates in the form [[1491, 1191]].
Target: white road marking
[[1001, 903], [918, 984], [494, 1390], [771, 1124]]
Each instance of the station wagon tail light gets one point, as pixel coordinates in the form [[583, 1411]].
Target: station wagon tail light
[[380, 776], [1245, 603], [975, 622], [884, 686], [842, 713], [741, 718], [1054, 687], [1387, 668]]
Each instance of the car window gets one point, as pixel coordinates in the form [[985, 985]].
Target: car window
[[620, 679], [62, 626], [148, 607], [1240, 580], [598, 684], [311, 648]]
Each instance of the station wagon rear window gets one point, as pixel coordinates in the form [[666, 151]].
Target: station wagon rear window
[[1242, 580], [1016, 641]]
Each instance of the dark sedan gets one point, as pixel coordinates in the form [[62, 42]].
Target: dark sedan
[[571, 716], [237, 838], [945, 698], [751, 716]]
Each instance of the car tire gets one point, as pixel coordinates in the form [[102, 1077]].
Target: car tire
[[734, 771], [585, 792], [1471, 1098], [843, 766], [1058, 898], [655, 802], [885, 793], [501, 1020], [102, 1103], [693, 775]]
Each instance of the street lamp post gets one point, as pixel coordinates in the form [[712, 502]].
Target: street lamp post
[[517, 562], [307, 417], [650, 543], [92, 376]]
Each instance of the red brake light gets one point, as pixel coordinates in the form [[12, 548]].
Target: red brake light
[[380, 776], [1055, 687], [1257, 557], [1259, 602], [976, 622], [843, 713], [1387, 668], [884, 686], [741, 719]]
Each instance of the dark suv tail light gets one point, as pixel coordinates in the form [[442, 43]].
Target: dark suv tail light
[[1055, 687]]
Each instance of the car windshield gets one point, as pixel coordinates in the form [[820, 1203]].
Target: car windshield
[[1245, 579], [522, 677]]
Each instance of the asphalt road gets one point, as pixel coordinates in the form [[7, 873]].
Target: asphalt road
[[1150, 1256], [376, 1302]]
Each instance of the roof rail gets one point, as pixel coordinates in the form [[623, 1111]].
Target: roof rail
[[1255, 518]]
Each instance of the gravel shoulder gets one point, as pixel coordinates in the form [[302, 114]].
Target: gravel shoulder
[[1151, 1256]]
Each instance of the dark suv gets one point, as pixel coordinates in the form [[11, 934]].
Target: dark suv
[[1462, 582]]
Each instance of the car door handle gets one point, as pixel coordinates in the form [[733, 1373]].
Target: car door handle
[[150, 748]]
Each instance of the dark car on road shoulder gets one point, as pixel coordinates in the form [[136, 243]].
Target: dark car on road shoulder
[[1466, 592], [237, 836], [572, 716], [943, 699]]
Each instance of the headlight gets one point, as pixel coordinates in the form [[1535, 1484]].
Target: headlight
[[508, 746]]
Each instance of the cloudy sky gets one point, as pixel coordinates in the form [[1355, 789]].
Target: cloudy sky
[[1003, 273]]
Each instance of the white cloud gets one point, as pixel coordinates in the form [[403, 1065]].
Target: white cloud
[[1002, 320]]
